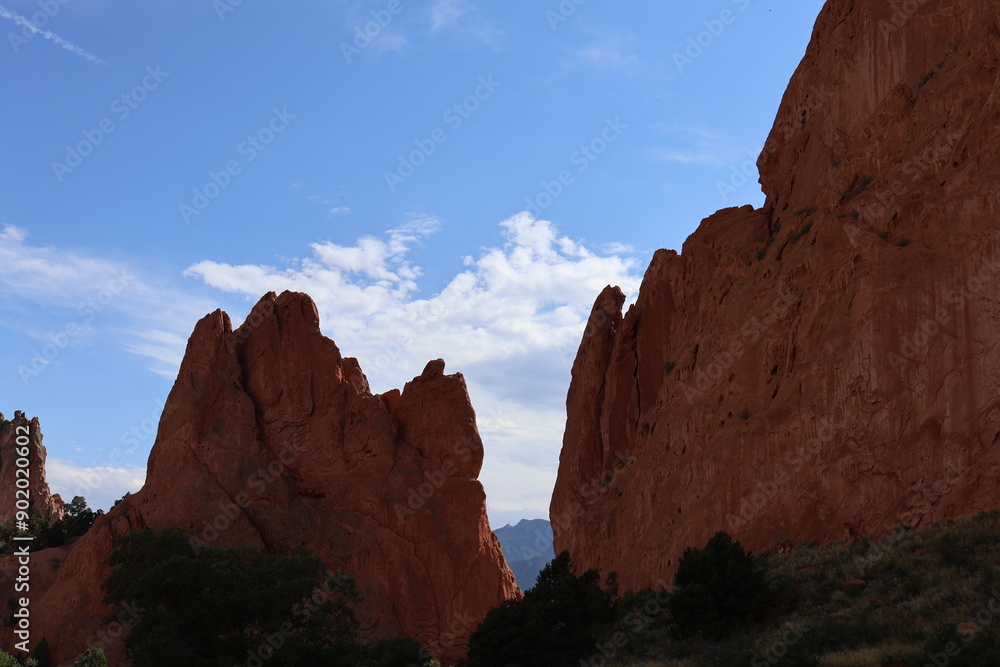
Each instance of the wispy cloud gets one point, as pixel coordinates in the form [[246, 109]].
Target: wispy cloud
[[696, 144], [461, 17], [613, 53], [51, 36], [114, 298]]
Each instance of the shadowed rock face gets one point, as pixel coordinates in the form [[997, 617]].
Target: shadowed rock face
[[271, 439], [20, 439], [826, 366]]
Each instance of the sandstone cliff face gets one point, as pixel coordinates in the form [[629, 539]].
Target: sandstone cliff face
[[17, 437], [826, 366], [271, 438]]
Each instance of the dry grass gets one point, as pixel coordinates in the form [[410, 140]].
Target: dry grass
[[867, 656]]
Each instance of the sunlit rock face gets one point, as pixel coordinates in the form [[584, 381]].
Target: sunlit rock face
[[825, 366]]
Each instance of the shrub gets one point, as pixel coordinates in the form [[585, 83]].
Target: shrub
[[957, 650], [215, 606], [399, 652], [720, 588], [43, 655], [92, 657], [557, 623]]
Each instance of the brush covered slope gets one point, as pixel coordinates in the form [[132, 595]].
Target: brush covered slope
[[825, 366]]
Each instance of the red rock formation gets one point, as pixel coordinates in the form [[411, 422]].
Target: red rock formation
[[826, 366], [20, 440], [270, 438]]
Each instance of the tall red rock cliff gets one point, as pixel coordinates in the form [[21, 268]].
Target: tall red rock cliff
[[22, 471], [828, 365], [271, 438]]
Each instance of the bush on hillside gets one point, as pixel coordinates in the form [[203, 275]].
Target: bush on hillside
[[557, 623], [718, 590]]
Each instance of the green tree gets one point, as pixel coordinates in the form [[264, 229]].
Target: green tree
[[92, 657], [558, 622], [221, 606], [43, 654], [718, 589], [7, 660], [75, 523], [399, 652]]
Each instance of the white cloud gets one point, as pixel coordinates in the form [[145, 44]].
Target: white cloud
[[616, 248], [613, 53], [510, 322], [698, 144], [100, 485], [448, 13], [461, 17], [100, 296], [51, 36]]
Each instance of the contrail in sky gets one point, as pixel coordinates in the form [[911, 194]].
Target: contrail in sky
[[51, 36]]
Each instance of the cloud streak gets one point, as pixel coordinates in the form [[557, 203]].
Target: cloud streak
[[51, 36]]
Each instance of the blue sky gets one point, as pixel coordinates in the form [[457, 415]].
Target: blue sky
[[448, 178]]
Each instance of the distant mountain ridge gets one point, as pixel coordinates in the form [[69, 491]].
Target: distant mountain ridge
[[527, 547]]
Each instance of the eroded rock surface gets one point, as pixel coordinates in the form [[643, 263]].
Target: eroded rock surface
[[270, 438], [826, 366]]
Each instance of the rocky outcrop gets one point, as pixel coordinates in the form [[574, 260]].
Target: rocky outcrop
[[22, 472], [826, 366], [270, 438]]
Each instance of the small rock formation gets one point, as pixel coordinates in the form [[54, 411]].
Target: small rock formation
[[826, 366], [270, 438], [21, 442]]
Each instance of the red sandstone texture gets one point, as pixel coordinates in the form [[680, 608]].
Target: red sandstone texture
[[271, 439], [826, 366], [21, 441]]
